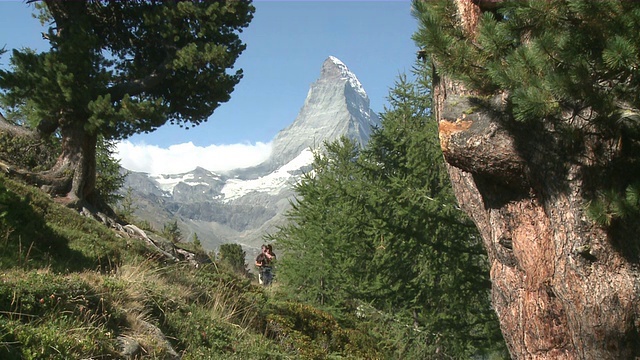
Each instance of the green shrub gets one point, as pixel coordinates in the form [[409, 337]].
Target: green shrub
[[307, 332], [233, 257], [199, 332], [61, 337], [48, 316], [28, 153]]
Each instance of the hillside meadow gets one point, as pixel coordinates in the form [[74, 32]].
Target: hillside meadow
[[74, 288]]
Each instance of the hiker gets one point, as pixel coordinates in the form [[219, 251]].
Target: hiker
[[264, 263], [273, 255], [272, 260]]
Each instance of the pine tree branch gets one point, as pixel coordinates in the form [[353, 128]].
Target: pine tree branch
[[15, 130], [139, 86]]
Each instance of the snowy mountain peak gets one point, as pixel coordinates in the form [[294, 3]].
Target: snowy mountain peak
[[242, 206], [336, 105], [334, 67]]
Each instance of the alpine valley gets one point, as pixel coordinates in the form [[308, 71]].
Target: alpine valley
[[243, 205]]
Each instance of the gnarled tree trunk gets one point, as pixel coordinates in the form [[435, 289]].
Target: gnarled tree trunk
[[73, 177], [563, 287], [74, 173]]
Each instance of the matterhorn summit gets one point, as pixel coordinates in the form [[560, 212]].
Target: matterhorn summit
[[336, 106], [244, 205]]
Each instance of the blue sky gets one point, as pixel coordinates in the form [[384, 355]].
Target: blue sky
[[287, 42]]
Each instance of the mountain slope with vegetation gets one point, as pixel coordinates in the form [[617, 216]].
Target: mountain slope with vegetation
[[74, 288]]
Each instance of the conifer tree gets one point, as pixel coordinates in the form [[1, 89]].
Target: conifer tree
[[233, 256], [171, 231], [429, 261], [325, 255], [195, 239], [380, 226], [119, 68], [109, 179]]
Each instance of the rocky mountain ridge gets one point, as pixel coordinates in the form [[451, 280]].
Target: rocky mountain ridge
[[245, 204]]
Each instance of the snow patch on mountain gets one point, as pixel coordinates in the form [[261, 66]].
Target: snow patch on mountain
[[272, 183], [166, 183]]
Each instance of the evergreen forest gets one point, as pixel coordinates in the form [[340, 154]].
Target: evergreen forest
[[376, 231]]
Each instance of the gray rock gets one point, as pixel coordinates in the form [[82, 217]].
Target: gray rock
[[129, 347]]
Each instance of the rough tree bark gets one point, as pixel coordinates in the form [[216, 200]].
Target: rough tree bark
[[563, 287], [74, 174], [73, 177]]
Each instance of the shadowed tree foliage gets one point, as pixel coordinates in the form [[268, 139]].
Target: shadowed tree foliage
[[119, 68]]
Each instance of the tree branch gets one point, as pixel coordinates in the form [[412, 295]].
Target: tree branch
[[138, 86], [472, 139], [15, 130]]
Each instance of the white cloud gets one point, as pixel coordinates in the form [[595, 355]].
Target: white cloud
[[181, 158]]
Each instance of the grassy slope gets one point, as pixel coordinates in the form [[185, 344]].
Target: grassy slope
[[73, 289]]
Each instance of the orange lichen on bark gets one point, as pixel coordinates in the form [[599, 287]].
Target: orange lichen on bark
[[447, 128]]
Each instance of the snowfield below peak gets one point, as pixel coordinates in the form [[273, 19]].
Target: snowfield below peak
[[272, 183], [166, 183]]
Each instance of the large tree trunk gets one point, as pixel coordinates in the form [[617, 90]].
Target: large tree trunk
[[563, 287], [74, 173], [72, 179]]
